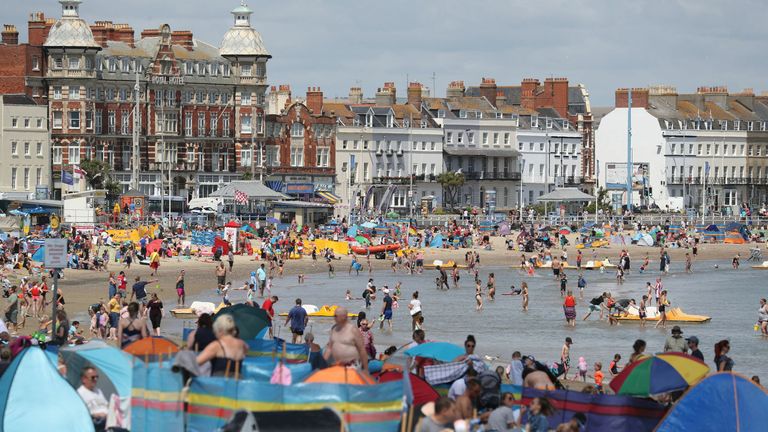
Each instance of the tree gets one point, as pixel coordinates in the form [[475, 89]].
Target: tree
[[451, 183], [98, 176], [602, 200]]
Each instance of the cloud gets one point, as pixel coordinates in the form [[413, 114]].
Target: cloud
[[603, 44]]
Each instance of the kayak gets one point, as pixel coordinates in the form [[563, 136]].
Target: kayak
[[360, 250], [673, 315], [195, 310], [324, 312]]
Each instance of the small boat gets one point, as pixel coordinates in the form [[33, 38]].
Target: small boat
[[763, 266], [446, 265], [596, 265], [324, 311], [195, 310], [364, 250], [673, 315], [544, 265]]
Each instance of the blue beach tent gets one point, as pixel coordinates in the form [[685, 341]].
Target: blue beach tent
[[723, 401], [34, 397]]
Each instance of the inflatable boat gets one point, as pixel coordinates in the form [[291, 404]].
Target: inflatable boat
[[364, 250]]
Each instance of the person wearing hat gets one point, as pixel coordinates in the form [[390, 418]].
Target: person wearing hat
[[386, 310], [675, 343], [693, 344]]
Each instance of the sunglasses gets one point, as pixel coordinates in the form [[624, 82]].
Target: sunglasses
[[93, 378]]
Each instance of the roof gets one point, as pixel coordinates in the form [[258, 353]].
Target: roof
[[255, 190], [565, 195], [301, 204], [71, 31], [18, 99]]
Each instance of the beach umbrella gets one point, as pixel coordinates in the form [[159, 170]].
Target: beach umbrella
[[362, 240], [368, 225], [723, 401], [249, 320], [658, 374], [154, 245], [152, 347], [35, 397], [565, 230], [392, 215], [341, 375], [441, 351], [422, 391]]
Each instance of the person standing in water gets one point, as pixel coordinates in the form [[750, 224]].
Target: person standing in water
[[569, 308], [563, 283], [455, 275], [735, 261], [581, 284], [663, 303], [524, 293], [491, 287], [478, 295]]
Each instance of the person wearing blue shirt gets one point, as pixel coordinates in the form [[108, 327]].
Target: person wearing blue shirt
[[261, 275], [297, 317]]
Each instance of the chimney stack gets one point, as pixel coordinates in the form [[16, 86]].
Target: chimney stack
[[415, 90], [387, 95], [37, 28], [501, 97], [488, 90], [355, 95], [10, 35], [315, 100], [455, 89], [183, 38], [639, 98]]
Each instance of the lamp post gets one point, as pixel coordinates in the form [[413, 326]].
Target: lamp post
[[520, 202]]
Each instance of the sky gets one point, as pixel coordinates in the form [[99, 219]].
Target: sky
[[603, 44]]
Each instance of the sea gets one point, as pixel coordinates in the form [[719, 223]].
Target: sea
[[730, 297]]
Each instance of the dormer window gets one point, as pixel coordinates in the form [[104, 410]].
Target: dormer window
[[737, 124], [462, 114], [390, 120], [440, 113], [499, 115]]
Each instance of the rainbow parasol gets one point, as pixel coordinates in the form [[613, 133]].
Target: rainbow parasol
[[661, 373]]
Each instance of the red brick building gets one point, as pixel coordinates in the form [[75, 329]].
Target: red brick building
[[22, 65], [197, 109], [301, 148]]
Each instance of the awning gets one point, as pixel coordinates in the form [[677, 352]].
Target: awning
[[329, 197], [565, 195]]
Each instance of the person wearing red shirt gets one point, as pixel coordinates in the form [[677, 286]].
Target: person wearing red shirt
[[268, 307], [569, 307]]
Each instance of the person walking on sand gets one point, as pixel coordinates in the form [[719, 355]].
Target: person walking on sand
[[180, 292]]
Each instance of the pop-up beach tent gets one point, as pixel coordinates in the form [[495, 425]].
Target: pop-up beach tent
[[34, 397], [723, 401]]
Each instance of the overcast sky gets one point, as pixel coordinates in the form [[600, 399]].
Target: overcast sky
[[603, 44]]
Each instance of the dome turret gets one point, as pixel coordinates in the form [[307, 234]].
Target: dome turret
[[71, 30], [242, 39]]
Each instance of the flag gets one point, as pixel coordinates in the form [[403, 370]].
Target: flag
[[66, 178], [241, 197], [79, 171]]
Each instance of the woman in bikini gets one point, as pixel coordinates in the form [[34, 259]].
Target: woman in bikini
[[478, 295], [226, 354], [524, 287], [132, 328], [663, 303], [491, 287]]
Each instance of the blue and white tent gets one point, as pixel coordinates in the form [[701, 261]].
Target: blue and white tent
[[33, 396]]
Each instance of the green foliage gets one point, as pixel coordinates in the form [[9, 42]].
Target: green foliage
[[98, 176], [603, 202], [451, 183]]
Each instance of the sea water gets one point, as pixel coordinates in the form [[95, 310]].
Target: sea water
[[730, 297]]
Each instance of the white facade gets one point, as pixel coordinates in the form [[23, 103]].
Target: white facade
[[385, 157], [25, 161], [549, 158]]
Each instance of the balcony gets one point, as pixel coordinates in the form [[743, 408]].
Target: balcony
[[391, 180], [676, 180], [573, 180], [492, 175], [300, 170]]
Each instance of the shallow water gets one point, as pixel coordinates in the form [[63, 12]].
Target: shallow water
[[730, 297]]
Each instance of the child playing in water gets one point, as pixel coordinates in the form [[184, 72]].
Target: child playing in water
[[583, 369], [348, 296], [269, 285], [301, 278], [598, 376]]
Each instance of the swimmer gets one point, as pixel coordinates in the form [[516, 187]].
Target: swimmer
[[491, 287], [348, 296], [514, 291]]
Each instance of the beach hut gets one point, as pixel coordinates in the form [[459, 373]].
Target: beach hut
[[34, 397], [723, 401]]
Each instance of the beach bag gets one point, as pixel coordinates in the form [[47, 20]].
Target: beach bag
[[490, 397]]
